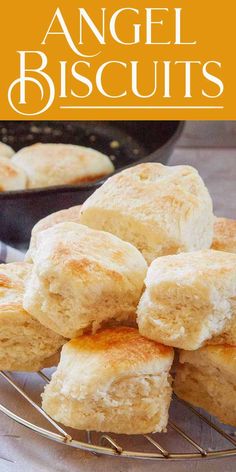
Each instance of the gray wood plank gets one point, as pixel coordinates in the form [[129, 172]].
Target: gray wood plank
[[219, 134]]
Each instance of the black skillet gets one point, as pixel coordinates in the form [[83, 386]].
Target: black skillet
[[126, 142]]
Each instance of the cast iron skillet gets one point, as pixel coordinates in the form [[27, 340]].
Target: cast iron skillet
[[126, 142]]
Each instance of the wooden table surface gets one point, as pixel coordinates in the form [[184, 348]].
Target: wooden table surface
[[211, 148]]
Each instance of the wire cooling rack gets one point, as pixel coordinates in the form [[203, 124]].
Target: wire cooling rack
[[218, 442]]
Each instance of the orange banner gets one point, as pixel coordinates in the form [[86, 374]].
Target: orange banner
[[118, 60]]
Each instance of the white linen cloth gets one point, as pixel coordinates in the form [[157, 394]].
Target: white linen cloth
[[9, 254]]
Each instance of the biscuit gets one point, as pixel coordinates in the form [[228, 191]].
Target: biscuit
[[160, 210], [25, 345], [11, 177], [6, 151], [225, 240], [115, 381], [61, 164], [83, 278], [206, 378], [189, 298], [70, 215], [224, 235]]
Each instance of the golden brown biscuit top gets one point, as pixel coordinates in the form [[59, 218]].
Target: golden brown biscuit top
[[77, 249], [90, 363], [61, 164], [71, 215], [152, 190], [205, 267], [122, 344], [11, 177], [6, 169]]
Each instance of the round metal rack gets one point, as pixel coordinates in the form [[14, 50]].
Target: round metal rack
[[146, 447]]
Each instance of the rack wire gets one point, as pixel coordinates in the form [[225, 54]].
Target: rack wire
[[150, 447]]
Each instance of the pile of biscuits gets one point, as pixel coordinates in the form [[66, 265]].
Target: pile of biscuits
[[141, 268], [46, 165]]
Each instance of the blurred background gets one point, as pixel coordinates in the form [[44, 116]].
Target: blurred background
[[210, 146]]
